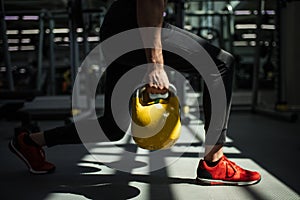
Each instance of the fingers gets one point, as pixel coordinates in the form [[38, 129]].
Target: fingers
[[157, 80], [156, 90], [159, 85]]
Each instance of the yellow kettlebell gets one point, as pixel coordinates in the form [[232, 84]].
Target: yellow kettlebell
[[155, 119]]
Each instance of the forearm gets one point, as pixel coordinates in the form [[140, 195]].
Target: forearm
[[150, 14]]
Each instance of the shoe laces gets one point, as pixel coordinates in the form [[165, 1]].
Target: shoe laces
[[232, 164], [39, 153], [42, 153]]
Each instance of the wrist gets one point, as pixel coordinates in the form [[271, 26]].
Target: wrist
[[155, 56], [155, 66]]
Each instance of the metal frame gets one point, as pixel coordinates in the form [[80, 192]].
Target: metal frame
[[52, 87], [40, 51], [7, 58]]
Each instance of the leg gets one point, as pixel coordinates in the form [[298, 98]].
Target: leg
[[216, 168], [69, 135], [224, 62], [214, 153], [28, 146]]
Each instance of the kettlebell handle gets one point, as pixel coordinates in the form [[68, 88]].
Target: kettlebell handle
[[165, 95], [152, 96]]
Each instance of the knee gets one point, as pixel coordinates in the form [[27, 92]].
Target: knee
[[228, 59]]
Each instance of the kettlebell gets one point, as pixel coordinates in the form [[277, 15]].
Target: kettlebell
[[155, 118]]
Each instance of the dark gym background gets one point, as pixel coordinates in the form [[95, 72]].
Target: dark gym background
[[42, 44]]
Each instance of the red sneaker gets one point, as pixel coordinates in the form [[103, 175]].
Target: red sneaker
[[225, 172], [32, 155]]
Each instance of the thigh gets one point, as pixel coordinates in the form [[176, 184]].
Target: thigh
[[219, 56], [212, 50]]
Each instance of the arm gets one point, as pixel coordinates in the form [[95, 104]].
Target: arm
[[150, 14]]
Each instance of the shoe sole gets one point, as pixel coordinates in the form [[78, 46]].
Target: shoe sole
[[203, 181], [14, 150]]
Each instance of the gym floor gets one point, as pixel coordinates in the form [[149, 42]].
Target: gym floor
[[254, 141]]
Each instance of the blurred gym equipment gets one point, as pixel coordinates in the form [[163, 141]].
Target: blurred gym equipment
[[280, 108], [48, 43], [36, 89]]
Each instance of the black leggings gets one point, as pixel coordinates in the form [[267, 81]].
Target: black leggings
[[121, 17]]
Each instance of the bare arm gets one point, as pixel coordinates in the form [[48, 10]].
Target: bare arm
[[150, 14]]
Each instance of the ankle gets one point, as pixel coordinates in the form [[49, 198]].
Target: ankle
[[213, 153], [212, 163], [38, 138], [27, 140], [213, 158]]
